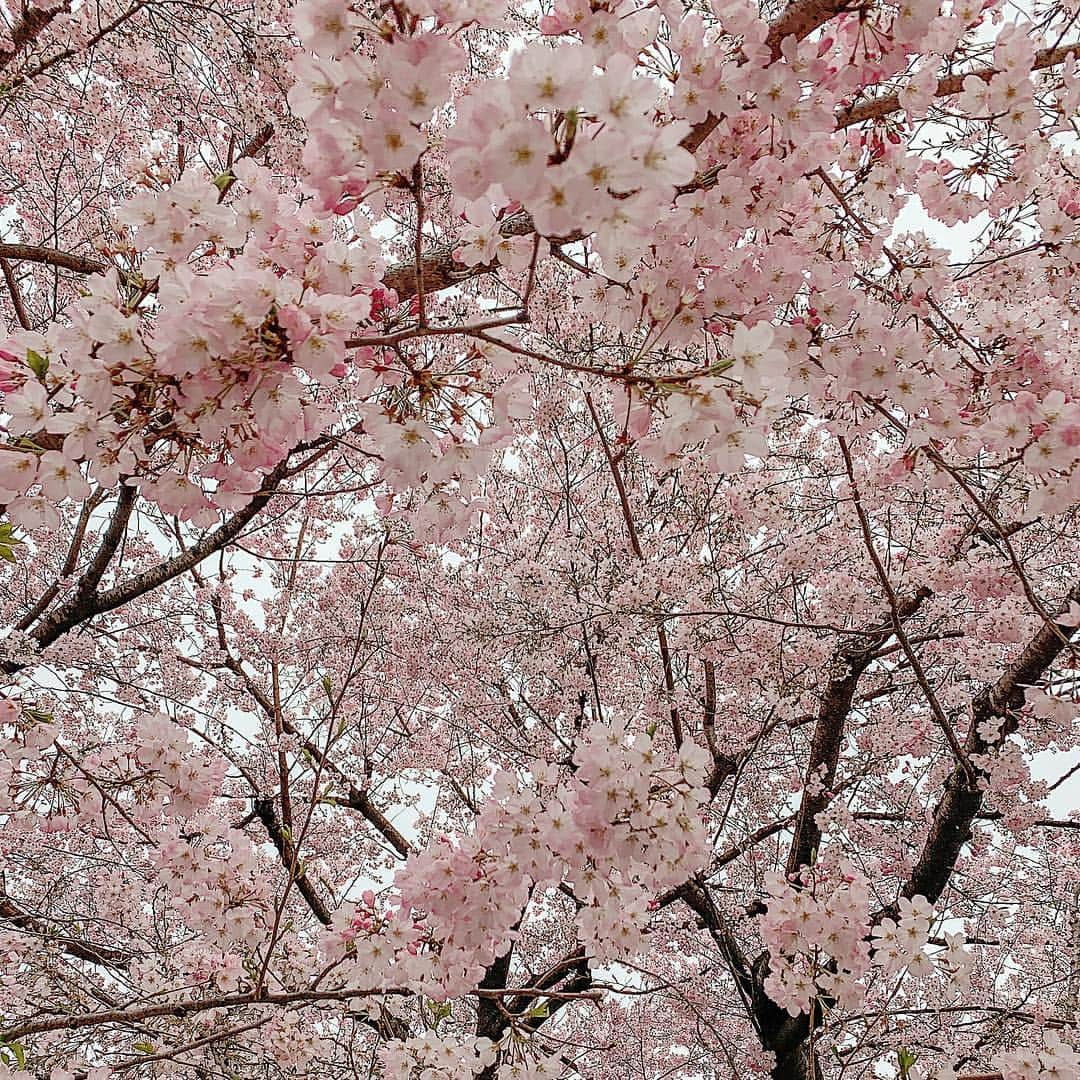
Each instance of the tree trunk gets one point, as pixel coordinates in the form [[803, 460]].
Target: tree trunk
[[798, 1063]]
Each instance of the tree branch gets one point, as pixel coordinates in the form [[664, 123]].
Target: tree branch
[[962, 800], [81, 608], [16, 295], [266, 812], [876, 108], [78, 264], [849, 664], [82, 950], [26, 31]]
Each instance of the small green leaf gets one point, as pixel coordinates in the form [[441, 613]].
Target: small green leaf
[[651, 729], [145, 1047], [38, 364], [539, 1012], [13, 1050], [223, 181], [8, 542], [906, 1060]]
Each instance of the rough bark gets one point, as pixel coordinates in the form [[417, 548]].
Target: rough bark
[[850, 663], [962, 800]]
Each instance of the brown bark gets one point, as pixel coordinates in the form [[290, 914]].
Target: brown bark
[[962, 800]]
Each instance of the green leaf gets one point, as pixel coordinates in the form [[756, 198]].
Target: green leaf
[[224, 180], [651, 729], [38, 364], [8, 542], [539, 1012], [906, 1060], [145, 1047], [13, 1051]]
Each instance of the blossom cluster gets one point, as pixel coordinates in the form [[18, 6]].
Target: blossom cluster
[[213, 877], [816, 930], [817, 927], [385, 947], [436, 1057], [195, 406], [1054, 1060], [187, 781], [456, 1057], [624, 826], [39, 785]]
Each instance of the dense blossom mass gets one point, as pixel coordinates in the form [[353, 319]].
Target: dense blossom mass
[[539, 541]]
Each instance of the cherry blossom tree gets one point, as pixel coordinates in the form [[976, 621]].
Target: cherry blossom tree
[[539, 542]]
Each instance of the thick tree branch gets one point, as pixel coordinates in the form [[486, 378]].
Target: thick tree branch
[[78, 264], [135, 1014], [266, 812], [81, 608], [996, 708], [876, 108], [27, 30], [849, 664], [360, 801], [16, 295], [11, 913], [894, 614], [724, 764], [84, 45]]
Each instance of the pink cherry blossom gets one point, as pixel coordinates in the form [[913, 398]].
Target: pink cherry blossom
[[539, 542]]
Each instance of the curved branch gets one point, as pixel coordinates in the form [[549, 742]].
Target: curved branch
[[849, 664], [876, 108], [83, 607], [83, 950], [78, 264], [962, 800]]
